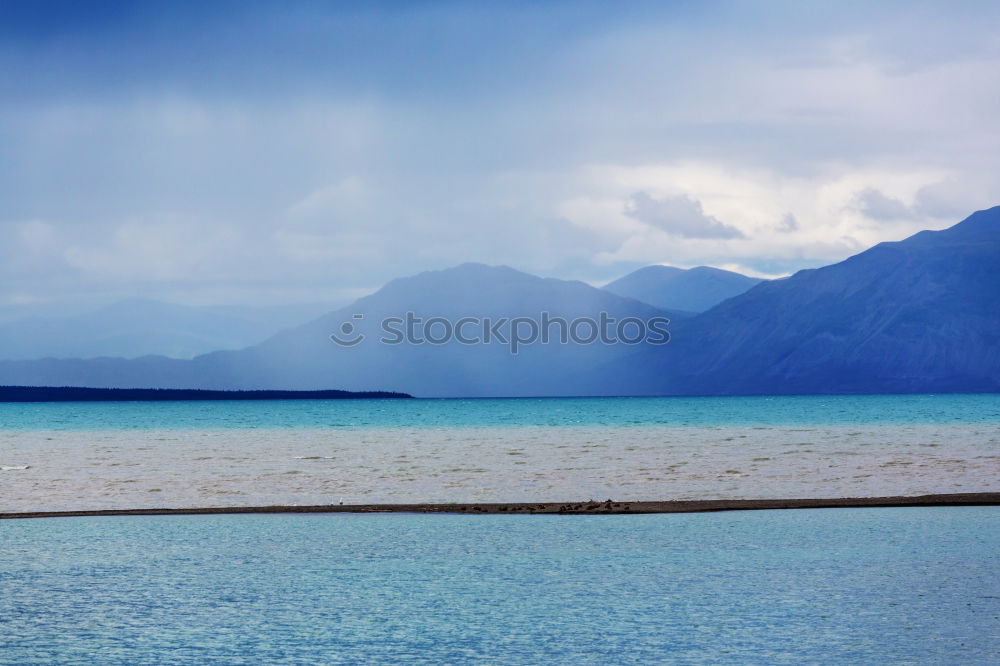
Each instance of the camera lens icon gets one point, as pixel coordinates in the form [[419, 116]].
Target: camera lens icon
[[347, 336]]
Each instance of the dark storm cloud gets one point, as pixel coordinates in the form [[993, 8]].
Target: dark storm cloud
[[250, 150]]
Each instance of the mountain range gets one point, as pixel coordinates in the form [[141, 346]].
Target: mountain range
[[918, 315], [692, 290], [305, 357], [137, 327]]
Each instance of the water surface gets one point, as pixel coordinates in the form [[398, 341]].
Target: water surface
[[60, 456], [867, 586], [965, 409]]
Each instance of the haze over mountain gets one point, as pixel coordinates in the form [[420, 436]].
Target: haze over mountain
[[691, 290], [305, 357], [135, 328], [918, 315]]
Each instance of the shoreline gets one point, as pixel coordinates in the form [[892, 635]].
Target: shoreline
[[589, 507], [34, 394]]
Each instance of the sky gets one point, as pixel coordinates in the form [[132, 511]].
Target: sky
[[261, 153]]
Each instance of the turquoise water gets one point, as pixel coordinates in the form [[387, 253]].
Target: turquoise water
[[693, 412], [845, 586], [61, 456]]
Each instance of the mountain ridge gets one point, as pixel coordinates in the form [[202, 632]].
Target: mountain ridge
[[917, 315], [920, 314], [134, 328], [304, 357], [692, 290]]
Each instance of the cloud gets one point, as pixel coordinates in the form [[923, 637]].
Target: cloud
[[167, 248], [949, 200], [348, 195], [788, 224], [878, 206], [678, 215], [263, 153], [36, 234]]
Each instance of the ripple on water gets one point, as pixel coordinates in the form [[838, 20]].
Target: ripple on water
[[412, 465]]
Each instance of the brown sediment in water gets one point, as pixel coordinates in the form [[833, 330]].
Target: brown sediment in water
[[590, 507]]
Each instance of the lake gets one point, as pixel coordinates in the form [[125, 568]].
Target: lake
[[61, 456], [892, 585]]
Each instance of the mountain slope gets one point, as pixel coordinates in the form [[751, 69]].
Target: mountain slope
[[306, 358], [922, 314], [140, 327], [918, 315], [693, 290]]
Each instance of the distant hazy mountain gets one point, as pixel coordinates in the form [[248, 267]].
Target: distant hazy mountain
[[306, 358], [141, 327], [692, 290], [15, 312], [918, 315]]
